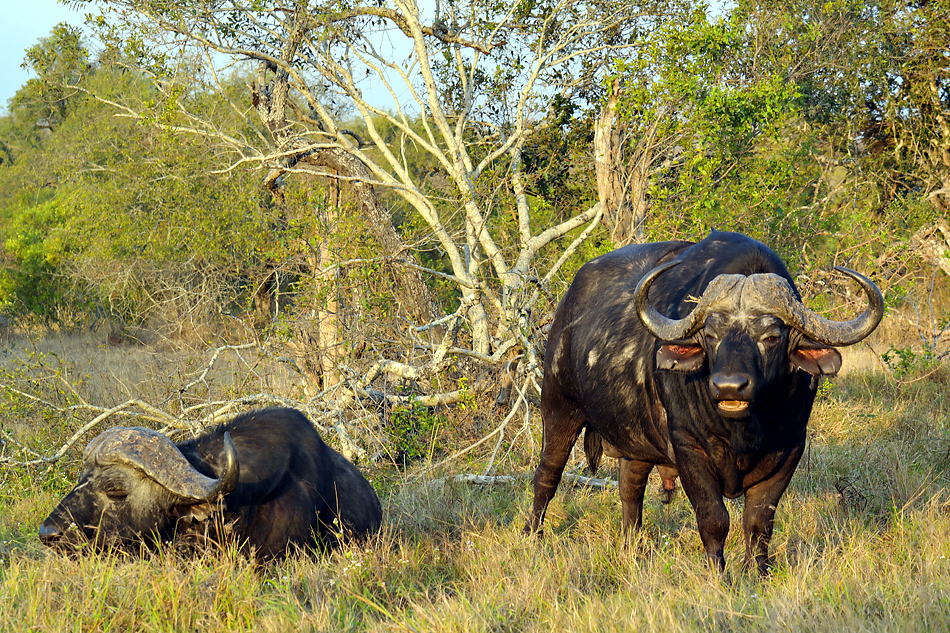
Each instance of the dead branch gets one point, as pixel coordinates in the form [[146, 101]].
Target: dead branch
[[491, 480], [326, 409]]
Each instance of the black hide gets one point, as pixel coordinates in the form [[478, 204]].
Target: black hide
[[293, 491]]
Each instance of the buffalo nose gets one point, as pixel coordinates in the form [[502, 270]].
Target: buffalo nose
[[49, 533], [731, 386]]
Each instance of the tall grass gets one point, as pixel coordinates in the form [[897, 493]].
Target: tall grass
[[862, 543]]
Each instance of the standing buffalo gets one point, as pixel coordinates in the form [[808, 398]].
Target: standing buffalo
[[720, 389], [264, 480]]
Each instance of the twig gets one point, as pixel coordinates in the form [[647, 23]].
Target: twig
[[217, 352], [501, 428]]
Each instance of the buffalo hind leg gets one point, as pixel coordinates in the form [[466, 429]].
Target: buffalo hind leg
[[633, 485], [562, 426]]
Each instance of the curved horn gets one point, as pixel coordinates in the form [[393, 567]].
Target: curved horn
[[229, 478], [159, 459], [662, 327], [720, 289], [839, 333]]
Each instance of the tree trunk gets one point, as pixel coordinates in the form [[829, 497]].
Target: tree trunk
[[622, 193], [328, 316]]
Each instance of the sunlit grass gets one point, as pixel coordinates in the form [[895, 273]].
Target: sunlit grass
[[862, 543], [834, 570]]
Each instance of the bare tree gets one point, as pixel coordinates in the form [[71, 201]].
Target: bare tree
[[467, 82]]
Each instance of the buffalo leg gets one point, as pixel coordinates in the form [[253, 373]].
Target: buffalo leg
[[700, 483], [633, 485], [758, 518], [562, 426], [712, 519]]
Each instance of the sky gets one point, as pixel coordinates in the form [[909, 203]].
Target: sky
[[22, 24]]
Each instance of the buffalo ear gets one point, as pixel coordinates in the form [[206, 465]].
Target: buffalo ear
[[817, 361], [195, 512], [683, 357]]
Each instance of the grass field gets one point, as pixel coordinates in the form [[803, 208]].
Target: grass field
[[862, 543]]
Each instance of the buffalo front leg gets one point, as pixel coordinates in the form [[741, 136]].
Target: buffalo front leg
[[702, 488], [758, 518], [562, 426], [712, 520], [633, 485]]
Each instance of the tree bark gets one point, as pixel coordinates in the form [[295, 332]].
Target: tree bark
[[621, 189]]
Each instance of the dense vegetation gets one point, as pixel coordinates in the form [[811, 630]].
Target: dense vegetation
[[819, 128], [214, 205]]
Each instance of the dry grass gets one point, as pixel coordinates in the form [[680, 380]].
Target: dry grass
[[834, 572], [862, 543]]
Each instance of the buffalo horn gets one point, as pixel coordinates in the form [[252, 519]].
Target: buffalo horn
[[157, 457], [839, 333], [664, 328], [769, 292]]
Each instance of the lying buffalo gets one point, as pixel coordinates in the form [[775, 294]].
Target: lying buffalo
[[698, 357], [264, 480]]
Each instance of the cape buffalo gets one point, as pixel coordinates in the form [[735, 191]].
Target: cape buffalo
[[265, 480], [719, 389]]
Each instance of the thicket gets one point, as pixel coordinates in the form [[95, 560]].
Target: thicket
[[173, 190]]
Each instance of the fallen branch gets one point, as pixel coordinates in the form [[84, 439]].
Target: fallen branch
[[491, 480], [593, 482], [327, 410]]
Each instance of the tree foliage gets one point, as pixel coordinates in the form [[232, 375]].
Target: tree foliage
[[469, 83], [104, 213], [819, 128], [419, 171]]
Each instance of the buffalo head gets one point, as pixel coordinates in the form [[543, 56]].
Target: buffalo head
[[135, 482], [751, 329]]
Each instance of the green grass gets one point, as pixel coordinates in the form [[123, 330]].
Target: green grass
[[862, 543]]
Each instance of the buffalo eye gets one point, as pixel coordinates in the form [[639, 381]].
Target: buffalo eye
[[116, 494], [711, 338]]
